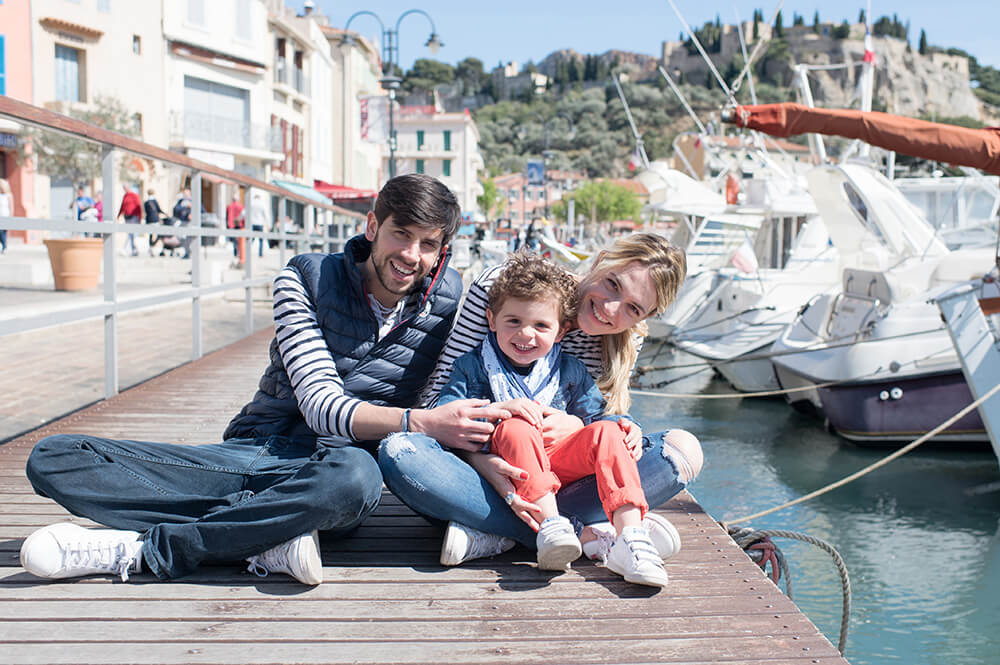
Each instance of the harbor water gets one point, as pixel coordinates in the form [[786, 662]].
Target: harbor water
[[923, 555]]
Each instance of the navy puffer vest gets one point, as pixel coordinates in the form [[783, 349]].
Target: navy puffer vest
[[386, 372]]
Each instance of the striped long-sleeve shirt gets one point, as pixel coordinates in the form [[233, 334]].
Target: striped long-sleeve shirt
[[318, 387]]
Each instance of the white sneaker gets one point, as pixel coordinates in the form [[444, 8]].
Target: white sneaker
[[662, 533], [463, 543], [69, 550], [557, 544], [298, 557], [634, 558]]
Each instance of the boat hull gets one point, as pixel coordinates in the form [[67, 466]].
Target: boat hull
[[902, 410]]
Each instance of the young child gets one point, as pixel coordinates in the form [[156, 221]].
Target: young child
[[520, 366]]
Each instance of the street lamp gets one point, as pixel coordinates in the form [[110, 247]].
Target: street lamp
[[546, 153], [390, 60]]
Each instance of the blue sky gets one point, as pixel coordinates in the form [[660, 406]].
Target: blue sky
[[521, 30]]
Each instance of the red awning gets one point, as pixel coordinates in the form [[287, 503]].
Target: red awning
[[342, 192], [944, 143]]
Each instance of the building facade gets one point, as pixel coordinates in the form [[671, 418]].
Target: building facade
[[444, 145], [524, 201]]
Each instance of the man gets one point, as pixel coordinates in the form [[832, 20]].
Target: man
[[356, 336], [234, 220], [131, 209], [82, 202]]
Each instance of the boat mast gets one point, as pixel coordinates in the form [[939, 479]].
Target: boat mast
[[635, 132]]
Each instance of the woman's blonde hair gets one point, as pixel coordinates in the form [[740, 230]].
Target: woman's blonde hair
[[4, 187], [667, 267]]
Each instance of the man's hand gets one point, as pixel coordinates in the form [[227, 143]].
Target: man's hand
[[465, 424], [557, 425], [633, 437], [498, 473]]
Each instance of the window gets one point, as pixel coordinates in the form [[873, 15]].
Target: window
[[420, 166], [420, 140], [243, 20], [447, 139], [446, 168], [3, 68], [136, 44], [217, 112], [196, 12], [104, 6], [137, 123], [68, 74]]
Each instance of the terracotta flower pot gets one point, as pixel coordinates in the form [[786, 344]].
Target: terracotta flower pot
[[76, 262]]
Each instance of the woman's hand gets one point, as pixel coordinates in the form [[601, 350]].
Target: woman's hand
[[498, 472], [633, 437], [557, 425], [527, 409]]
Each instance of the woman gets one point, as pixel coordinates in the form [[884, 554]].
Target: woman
[[637, 277]]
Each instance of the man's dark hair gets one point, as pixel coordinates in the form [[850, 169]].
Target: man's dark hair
[[415, 198]]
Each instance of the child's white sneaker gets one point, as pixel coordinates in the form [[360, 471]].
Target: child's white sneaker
[[634, 558], [463, 543], [557, 544], [662, 533]]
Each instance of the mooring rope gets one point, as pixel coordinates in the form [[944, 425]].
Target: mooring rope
[[748, 538]]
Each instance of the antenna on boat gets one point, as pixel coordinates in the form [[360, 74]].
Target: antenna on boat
[[711, 65], [682, 98], [753, 56], [635, 132], [743, 49]]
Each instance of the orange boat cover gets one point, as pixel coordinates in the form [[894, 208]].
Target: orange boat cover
[[979, 148]]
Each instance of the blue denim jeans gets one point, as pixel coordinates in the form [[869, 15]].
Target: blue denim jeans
[[438, 484], [218, 502]]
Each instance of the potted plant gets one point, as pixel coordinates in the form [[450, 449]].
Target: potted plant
[[75, 258]]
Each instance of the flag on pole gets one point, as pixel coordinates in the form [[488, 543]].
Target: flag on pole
[[744, 258], [869, 50]]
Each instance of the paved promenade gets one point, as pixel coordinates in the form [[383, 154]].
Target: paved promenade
[[51, 372]]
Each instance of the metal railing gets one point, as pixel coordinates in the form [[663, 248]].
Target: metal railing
[[113, 145]]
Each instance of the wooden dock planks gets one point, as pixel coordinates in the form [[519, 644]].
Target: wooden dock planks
[[384, 598]]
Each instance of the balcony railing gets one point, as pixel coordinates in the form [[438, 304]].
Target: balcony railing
[[301, 82], [196, 126]]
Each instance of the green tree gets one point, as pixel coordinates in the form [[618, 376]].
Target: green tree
[[60, 155], [779, 28], [816, 22], [922, 49], [601, 201], [861, 16], [470, 72], [490, 201], [427, 73], [797, 19], [842, 31]]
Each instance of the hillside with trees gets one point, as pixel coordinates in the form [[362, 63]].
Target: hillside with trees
[[579, 123]]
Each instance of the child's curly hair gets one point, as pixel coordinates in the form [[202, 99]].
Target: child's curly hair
[[527, 276]]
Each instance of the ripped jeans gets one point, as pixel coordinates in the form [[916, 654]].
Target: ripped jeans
[[438, 484], [207, 503]]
